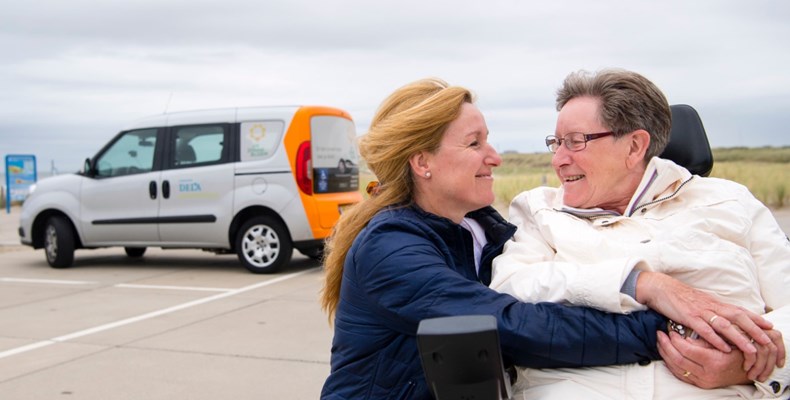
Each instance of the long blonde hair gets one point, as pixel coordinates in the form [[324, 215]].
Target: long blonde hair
[[411, 120]]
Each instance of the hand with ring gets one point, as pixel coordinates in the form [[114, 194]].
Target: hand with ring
[[722, 325], [696, 362]]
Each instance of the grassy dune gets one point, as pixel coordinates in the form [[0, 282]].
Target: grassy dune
[[765, 171]]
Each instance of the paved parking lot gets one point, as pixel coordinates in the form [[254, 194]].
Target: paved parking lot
[[178, 324]]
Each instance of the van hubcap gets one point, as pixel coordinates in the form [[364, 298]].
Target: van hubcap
[[51, 242], [261, 245]]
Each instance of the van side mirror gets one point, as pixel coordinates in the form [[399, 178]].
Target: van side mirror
[[87, 168]]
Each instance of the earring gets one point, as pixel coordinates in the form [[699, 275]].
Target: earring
[[428, 174]]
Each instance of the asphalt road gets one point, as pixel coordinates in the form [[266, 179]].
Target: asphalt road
[[177, 324]]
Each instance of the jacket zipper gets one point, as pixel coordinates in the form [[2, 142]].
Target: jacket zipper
[[663, 198]]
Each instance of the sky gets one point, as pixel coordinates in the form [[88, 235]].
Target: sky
[[73, 74]]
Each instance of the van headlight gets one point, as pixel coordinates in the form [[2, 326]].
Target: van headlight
[[30, 190]]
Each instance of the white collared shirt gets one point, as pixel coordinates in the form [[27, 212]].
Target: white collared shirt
[[478, 238]]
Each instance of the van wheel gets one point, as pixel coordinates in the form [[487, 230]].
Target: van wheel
[[59, 242], [263, 245], [134, 252]]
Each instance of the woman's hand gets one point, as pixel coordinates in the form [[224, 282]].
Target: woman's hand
[[703, 366], [695, 361], [716, 322]]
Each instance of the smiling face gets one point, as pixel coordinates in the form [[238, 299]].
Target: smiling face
[[604, 173], [461, 170]]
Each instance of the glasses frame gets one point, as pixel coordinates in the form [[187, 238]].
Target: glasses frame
[[553, 142]]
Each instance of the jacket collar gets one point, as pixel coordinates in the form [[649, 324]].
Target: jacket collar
[[661, 180], [497, 229]]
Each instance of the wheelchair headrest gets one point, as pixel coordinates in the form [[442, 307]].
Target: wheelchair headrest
[[688, 144]]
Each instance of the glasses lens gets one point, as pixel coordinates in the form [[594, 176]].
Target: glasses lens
[[551, 143], [575, 141]]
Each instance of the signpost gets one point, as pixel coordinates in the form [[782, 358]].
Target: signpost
[[20, 174]]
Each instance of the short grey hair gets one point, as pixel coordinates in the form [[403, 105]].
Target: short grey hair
[[629, 101]]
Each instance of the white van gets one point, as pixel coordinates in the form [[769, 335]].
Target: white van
[[255, 181]]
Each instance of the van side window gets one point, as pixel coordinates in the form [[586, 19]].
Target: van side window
[[198, 145], [131, 153], [260, 139]]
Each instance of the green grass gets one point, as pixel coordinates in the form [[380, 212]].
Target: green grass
[[771, 155], [765, 171]]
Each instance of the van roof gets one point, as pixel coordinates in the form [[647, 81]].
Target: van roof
[[224, 115]]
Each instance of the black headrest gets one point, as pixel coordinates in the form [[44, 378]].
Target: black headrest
[[688, 144], [462, 359]]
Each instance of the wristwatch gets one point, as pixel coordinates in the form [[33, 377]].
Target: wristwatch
[[684, 331]]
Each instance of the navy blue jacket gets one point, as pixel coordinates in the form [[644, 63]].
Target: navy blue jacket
[[408, 265]]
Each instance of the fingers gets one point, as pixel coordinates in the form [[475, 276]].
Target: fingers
[[768, 357], [705, 331], [747, 327], [695, 362], [759, 359], [734, 333], [749, 322], [778, 340], [675, 362], [766, 360]]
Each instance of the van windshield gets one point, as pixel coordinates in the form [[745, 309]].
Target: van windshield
[[334, 153]]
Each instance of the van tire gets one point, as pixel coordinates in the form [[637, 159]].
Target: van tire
[[59, 242], [134, 252], [263, 245]]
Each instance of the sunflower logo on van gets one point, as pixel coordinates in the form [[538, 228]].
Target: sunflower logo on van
[[257, 132], [260, 139]]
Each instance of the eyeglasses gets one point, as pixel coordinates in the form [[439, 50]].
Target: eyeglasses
[[574, 141]]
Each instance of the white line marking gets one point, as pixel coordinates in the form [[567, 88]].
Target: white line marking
[[127, 321], [204, 289], [26, 348], [57, 282]]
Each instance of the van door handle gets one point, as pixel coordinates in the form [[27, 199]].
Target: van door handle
[[152, 190], [166, 189]]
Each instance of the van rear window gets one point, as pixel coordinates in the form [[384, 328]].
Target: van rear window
[[334, 153]]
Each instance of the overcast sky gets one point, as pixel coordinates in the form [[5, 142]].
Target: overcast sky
[[73, 73]]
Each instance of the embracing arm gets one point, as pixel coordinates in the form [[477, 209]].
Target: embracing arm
[[405, 290], [528, 270]]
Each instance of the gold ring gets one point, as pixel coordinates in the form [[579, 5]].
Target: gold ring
[[713, 318], [687, 374]]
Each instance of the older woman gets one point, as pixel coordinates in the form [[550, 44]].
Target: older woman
[[421, 244], [621, 209]]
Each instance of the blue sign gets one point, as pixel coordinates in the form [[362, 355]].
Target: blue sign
[[20, 174], [323, 180]]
